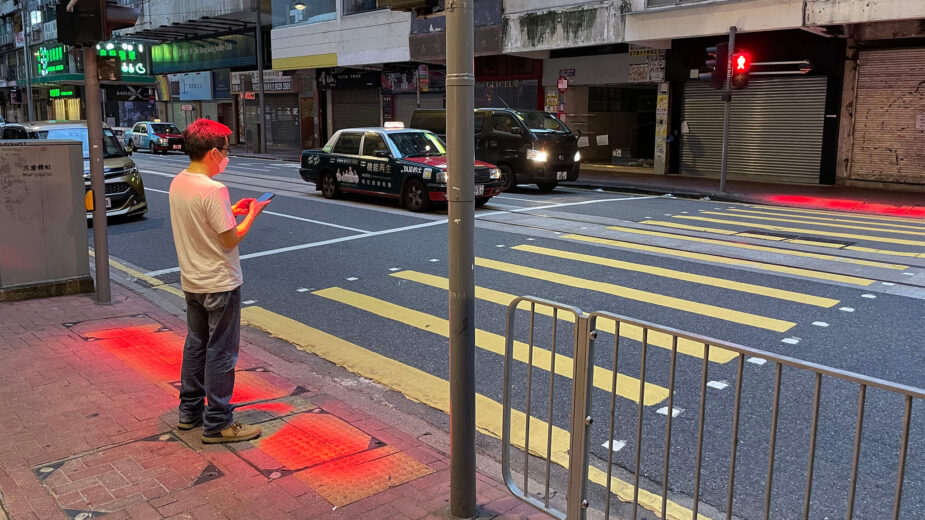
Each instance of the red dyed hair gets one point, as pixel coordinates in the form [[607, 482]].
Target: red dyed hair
[[203, 135]]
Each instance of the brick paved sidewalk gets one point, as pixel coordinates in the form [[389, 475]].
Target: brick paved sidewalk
[[87, 427]]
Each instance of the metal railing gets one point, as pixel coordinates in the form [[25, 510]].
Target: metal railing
[[566, 461]]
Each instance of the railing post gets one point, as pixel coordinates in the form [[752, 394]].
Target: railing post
[[576, 495]]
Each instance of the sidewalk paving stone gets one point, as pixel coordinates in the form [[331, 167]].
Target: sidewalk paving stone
[[89, 415]]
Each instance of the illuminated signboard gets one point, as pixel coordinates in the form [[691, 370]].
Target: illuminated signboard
[[131, 56], [51, 60], [60, 93]]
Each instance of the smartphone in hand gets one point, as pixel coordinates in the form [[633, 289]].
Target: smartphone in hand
[[266, 196]]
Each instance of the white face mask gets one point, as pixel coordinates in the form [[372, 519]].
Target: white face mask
[[223, 164]]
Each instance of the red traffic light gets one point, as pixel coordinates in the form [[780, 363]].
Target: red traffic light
[[741, 61]]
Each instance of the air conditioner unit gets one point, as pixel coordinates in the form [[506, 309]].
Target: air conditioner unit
[[422, 6]]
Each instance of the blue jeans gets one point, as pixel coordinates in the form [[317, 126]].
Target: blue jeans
[[209, 356]]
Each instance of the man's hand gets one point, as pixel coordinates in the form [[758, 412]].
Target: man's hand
[[242, 207], [257, 207]]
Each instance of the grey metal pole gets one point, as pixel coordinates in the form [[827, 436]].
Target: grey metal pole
[[260, 106], [26, 27], [460, 126], [95, 138], [727, 102]]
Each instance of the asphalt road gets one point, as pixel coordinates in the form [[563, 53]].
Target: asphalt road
[[842, 290]]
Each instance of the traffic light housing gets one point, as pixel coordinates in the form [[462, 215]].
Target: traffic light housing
[[92, 21], [741, 64], [718, 64]]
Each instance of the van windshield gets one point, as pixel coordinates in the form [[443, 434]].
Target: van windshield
[[418, 144], [538, 121], [111, 147]]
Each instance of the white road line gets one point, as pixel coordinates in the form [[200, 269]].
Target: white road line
[[320, 223], [302, 289], [434, 260], [393, 269], [790, 341], [674, 411], [888, 284], [846, 309], [719, 385], [820, 324], [560, 205], [614, 445], [869, 296], [909, 274], [518, 198], [319, 244], [352, 279], [248, 302], [358, 230], [757, 360]]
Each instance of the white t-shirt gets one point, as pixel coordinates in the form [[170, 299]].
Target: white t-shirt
[[200, 210]]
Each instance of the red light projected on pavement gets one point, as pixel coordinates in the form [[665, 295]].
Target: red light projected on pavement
[[271, 408], [312, 438], [248, 386], [849, 204], [157, 356]]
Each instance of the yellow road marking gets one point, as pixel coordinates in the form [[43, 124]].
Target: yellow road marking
[[820, 256], [712, 281], [153, 282], [804, 221], [851, 214], [885, 251], [421, 387], [721, 313], [870, 238], [658, 339], [813, 243], [828, 219], [678, 225], [627, 386]]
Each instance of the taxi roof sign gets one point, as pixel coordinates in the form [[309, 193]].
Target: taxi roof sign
[[394, 124]]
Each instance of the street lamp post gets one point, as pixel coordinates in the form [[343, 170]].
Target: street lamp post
[[460, 90]]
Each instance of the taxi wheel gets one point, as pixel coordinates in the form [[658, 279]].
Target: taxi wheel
[[415, 196], [151, 149], [329, 186], [508, 180]]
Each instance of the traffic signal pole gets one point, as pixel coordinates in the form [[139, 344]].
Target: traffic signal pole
[[460, 126], [97, 184], [727, 102]]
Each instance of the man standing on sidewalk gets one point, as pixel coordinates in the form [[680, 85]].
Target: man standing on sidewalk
[[206, 236]]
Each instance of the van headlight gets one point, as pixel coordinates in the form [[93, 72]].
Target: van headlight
[[577, 156], [162, 140], [536, 155], [441, 177], [494, 173]]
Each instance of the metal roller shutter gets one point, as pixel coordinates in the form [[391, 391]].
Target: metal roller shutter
[[282, 114], [356, 108], [406, 104], [889, 125], [775, 130]]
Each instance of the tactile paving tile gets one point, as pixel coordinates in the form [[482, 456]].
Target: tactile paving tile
[[305, 440], [111, 480], [157, 356], [250, 386], [348, 479], [268, 411]]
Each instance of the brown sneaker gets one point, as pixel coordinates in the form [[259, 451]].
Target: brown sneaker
[[237, 432]]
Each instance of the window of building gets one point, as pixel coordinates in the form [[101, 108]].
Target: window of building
[[359, 6], [290, 12]]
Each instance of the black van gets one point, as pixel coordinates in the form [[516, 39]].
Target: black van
[[528, 146]]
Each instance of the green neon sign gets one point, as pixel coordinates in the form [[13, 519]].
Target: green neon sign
[[58, 93]]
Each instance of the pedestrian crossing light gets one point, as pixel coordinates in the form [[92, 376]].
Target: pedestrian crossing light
[[88, 22], [718, 64], [741, 63]]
